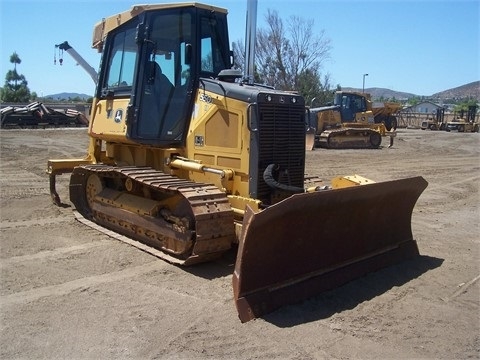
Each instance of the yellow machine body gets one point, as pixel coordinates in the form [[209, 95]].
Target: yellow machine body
[[190, 161], [350, 123]]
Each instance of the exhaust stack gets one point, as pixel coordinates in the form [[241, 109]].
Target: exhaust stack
[[250, 38]]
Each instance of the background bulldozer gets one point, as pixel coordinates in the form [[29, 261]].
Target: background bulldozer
[[350, 123], [191, 160]]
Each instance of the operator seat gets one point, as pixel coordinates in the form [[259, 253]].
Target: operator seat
[[162, 85]]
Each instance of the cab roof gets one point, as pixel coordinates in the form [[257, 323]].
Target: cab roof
[[103, 27]]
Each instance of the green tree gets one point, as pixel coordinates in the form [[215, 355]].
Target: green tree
[[464, 105], [316, 92], [15, 88], [414, 101]]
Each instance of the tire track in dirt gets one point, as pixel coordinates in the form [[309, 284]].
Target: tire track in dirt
[[205, 342], [6, 224], [20, 183], [453, 184], [82, 283], [463, 288], [67, 142], [50, 253]]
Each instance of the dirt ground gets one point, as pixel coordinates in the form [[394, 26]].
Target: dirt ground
[[70, 292]]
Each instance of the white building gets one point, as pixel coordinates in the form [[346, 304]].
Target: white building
[[425, 107]]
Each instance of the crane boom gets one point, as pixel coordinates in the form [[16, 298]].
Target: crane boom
[[79, 59]]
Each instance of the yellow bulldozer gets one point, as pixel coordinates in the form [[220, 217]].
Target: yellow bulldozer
[[350, 123], [190, 159]]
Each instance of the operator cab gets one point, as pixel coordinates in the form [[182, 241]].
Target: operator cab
[[156, 60], [350, 105]]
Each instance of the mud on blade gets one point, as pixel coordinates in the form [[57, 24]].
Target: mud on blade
[[314, 242]]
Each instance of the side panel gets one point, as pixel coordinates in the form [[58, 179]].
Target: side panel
[[237, 127], [109, 120], [218, 138]]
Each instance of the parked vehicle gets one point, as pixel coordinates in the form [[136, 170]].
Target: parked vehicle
[[435, 124], [465, 124], [350, 123]]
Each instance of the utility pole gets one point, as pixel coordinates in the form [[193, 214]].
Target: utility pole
[[363, 88]]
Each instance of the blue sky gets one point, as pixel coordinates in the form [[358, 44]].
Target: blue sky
[[420, 47]]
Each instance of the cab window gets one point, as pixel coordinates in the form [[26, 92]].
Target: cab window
[[122, 60]]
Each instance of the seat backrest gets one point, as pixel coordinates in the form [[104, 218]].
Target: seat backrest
[[155, 101], [162, 85]]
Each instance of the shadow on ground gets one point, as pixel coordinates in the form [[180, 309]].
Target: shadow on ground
[[328, 303], [350, 295]]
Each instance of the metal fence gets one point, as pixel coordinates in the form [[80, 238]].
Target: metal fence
[[413, 120]]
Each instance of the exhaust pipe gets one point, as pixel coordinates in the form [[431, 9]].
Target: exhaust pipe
[[250, 38]]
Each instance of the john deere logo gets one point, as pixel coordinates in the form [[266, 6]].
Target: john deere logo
[[118, 116]]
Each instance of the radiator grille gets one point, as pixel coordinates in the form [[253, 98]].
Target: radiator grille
[[281, 129]]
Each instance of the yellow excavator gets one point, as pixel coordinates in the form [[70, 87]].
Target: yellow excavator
[[190, 159]]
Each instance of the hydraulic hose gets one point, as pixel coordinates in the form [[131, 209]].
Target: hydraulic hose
[[274, 184]]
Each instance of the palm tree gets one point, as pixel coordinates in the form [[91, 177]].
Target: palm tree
[[15, 59], [16, 85]]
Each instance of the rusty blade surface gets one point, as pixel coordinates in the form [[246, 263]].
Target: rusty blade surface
[[314, 242], [310, 140]]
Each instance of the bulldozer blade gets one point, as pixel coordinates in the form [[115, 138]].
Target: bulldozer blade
[[310, 140], [313, 242]]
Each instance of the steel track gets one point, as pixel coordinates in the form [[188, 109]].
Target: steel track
[[206, 234]]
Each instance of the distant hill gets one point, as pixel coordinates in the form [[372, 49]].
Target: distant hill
[[471, 90], [378, 93], [68, 95]]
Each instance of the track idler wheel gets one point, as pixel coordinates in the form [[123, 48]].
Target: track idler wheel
[[82, 192], [375, 139]]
